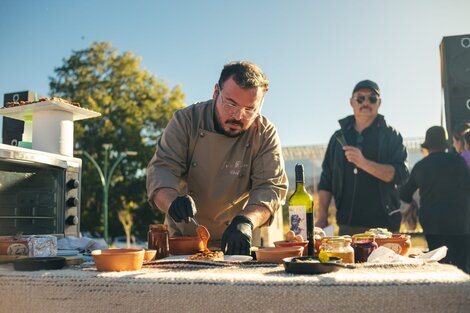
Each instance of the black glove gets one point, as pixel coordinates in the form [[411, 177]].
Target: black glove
[[237, 237], [182, 208]]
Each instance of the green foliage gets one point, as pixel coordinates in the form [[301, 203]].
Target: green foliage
[[135, 108]]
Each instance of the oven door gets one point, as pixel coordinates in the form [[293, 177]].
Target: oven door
[[31, 198]]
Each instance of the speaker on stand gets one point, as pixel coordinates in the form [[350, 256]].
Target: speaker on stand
[[13, 129], [455, 78]]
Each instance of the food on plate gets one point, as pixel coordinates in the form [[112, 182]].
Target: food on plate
[[379, 233], [53, 99], [207, 255], [306, 260], [290, 235], [318, 233], [323, 256]]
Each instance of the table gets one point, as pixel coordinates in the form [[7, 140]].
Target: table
[[186, 287]]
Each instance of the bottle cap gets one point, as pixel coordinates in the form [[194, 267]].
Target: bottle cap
[[299, 172]]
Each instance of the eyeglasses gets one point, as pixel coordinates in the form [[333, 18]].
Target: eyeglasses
[[372, 99], [234, 109]]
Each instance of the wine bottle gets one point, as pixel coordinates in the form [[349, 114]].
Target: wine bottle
[[301, 210]]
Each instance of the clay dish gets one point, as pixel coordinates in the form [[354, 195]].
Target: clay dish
[[149, 255], [185, 245], [285, 243], [276, 254], [398, 243], [10, 246], [117, 260]]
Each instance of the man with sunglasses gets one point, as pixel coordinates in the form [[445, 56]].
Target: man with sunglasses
[[364, 164], [219, 163]]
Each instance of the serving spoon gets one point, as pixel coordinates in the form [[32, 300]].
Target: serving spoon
[[202, 232]]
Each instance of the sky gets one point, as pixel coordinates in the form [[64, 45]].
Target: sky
[[313, 51]]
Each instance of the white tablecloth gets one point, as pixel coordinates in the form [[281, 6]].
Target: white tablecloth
[[238, 288]]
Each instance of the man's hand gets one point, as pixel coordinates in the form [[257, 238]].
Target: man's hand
[[182, 209], [354, 155], [237, 237]]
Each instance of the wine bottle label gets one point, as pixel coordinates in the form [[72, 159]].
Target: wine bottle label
[[298, 220]]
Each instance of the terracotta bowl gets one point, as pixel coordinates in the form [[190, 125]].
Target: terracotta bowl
[[149, 255], [10, 246], [285, 243], [185, 245], [117, 260], [398, 243], [276, 254]]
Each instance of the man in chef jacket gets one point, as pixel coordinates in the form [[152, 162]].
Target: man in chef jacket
[[220, 162]]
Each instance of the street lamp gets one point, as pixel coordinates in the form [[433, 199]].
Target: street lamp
[[105, 177]]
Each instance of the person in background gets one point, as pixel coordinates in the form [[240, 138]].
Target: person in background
[[458, 141], [443, 180], [364, 164], [220, 161], [466, 152]]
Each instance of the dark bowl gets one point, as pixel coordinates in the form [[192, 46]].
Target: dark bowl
[[39, 263], [311, 265]]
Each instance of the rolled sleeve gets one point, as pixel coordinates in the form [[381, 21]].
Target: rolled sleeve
[[268, 176], [168, 164]]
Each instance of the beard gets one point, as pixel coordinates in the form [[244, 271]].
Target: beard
[[230, 132], [233, 132]]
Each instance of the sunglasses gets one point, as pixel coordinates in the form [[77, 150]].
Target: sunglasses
[[372, 99]]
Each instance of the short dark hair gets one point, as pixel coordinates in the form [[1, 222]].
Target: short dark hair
[[460, 129], [245, 74]]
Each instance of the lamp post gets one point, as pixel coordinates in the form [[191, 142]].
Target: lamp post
[[105, 177]]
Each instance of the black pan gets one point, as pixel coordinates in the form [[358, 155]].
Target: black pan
[[314, 266], [39, 263]]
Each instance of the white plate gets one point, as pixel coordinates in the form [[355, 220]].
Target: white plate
[[227, 258]]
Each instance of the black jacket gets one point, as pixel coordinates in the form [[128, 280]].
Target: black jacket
[[391, 151], [443, 180]]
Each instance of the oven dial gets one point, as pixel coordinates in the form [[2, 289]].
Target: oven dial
[[72, 220], [71, 202], [73, 184]]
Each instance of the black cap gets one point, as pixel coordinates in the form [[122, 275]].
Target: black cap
[[436, 138], [369, 85]]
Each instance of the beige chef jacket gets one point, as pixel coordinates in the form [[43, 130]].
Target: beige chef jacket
[[222, 174]]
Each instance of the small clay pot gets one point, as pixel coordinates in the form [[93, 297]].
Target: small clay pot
[[10, 246], [185, 245], [116, 260], [149, 255], [398, 243], [276, 254], [285, 243]]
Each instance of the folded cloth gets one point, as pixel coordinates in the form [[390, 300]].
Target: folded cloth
[[434, 255], [385, 255], [81, 244]]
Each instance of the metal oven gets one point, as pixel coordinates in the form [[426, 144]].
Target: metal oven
[[39, 192]]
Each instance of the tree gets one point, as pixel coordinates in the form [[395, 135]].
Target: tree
[[126, 217], [135, 108]]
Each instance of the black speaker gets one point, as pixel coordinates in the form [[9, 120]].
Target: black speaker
[[455, 75], [13, 129]]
